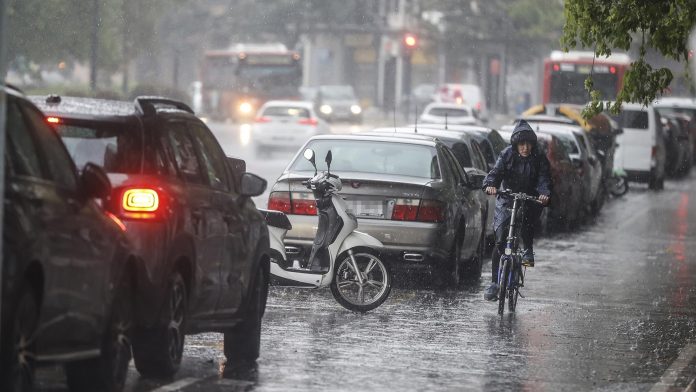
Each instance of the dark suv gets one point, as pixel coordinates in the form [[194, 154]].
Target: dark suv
[[188, 210], [67, 265]]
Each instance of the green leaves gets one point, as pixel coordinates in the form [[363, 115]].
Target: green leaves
[[662, 25]]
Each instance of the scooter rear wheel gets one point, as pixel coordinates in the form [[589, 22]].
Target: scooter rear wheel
[[374, 290]]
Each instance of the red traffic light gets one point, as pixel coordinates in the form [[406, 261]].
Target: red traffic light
[[410, 40]]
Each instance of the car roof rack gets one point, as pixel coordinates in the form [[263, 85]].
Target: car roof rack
[[146, 105]]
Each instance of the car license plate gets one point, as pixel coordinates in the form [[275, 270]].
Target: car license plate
[[367, 209]]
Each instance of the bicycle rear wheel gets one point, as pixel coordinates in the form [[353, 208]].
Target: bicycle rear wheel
[[502, 293]]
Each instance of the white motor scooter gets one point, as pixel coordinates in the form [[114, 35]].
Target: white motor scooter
[[342, 258]]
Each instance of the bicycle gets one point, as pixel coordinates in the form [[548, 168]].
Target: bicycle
[[511, 272]]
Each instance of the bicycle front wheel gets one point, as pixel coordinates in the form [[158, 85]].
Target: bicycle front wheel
[[512, 291], [503, 281]]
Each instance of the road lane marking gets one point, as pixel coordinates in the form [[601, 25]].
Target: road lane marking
[[669, 378], [177, 385]]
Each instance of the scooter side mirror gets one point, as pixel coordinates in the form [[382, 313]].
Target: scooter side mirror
[[309, 155], [328, 161]]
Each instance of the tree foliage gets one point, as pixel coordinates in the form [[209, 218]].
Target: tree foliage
[[662, 25]]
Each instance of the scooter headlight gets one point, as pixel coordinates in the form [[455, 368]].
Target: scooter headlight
[[508, 251]]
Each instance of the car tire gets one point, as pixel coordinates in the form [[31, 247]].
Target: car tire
[[158, 351], [108, 372], [18, 346], [474, 267], [448, 274], [243, 342]]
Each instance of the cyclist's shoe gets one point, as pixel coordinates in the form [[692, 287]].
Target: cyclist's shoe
[[491, 293], [528, 258]]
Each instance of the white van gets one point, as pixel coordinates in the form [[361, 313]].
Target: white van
[[641, 151]]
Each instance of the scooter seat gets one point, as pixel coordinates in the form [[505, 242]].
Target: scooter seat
[[276, 219]]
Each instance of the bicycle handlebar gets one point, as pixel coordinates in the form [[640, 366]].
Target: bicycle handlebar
[[518, 195]]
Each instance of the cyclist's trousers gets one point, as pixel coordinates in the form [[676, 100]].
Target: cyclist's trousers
[[526, 232]]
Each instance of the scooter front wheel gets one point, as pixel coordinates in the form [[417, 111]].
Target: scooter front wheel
[[361, 295]]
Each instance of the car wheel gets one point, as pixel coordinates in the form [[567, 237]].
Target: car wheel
[[475, 264], [18, 346], [448, 274], [108, 372], [158, 351], [242, 343]]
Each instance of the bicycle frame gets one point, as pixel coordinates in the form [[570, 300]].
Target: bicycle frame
[[510, 272]]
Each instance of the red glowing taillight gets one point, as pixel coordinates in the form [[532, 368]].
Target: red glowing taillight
[[140, 203], [308, 121], [418, 210], [53, 120], [405, 209], [612, 69], [431, 211], [478, 106], [262, 120], [297, 203], [279, 201], [556, 67], [303, 204]]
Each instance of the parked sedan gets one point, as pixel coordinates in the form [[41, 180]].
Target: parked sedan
[[285, 125], [468, 153], [566, 206], [68, 268], [489, 140], [448, 113], [408, 191], [203, 244]]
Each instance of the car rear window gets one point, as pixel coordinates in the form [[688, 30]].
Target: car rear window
[[112, 146], [449, 112], [634, 119], [286, 111], [364, 156]]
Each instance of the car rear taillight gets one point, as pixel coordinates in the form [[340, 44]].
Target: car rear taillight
[[297, 203], [303, 204], [431, 211], [53, 120], [418, 210], [653, 152], [279, 201], [262, 120], [405, 209], [308, 121], [478, 106], [140, 203]]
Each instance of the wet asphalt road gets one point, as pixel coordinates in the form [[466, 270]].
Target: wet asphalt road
[[609, 307]]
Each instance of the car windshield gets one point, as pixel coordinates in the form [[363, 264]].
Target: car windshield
[[112, 146], [286, 111], [400, 159], [449, 112], [337, 92]]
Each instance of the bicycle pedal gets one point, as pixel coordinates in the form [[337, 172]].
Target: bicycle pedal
[[520, 294]]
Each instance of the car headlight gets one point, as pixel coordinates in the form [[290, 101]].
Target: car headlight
[[326, 109], [245, 108], [355, 109]]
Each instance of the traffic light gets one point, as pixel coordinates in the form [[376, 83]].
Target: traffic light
[[410, 42]]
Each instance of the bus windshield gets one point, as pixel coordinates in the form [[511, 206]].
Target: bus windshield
[[569, 86]]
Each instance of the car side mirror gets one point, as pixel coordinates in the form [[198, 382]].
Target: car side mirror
[[237, 166], [476, 180], [252, 185], [94, 182]]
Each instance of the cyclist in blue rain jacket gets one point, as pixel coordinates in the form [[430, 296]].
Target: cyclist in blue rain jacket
[[520, 167]]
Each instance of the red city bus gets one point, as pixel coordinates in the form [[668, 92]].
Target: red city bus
[[237, 81], [565, 74]]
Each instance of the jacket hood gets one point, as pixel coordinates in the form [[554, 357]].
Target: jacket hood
[[523, 132]]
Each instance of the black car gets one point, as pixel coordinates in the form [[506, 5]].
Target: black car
[[189, 213], [68, 271]]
